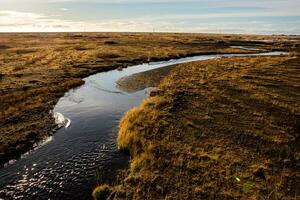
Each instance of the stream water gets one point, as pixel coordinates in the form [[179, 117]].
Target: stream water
[[71, 162]]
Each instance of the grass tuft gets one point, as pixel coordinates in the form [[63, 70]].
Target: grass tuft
[[101, 192], [293, 54]]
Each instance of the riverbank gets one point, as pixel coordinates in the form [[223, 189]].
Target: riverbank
[[38, 68], [219, 129]]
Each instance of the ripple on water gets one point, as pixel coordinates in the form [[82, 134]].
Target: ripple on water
[[53, 175]]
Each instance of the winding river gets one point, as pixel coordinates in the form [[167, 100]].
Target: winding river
[[70, 163]]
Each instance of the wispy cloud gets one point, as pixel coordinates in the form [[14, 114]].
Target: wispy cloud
[[27, 22], [64, 9], [236, 16]]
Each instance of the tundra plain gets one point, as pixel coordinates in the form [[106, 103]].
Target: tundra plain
[[224, 128]]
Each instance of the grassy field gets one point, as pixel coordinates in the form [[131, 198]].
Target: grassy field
[[226, 128], [36, 69]]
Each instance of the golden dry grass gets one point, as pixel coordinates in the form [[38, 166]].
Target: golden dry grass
[[101, 192], [221, 129]]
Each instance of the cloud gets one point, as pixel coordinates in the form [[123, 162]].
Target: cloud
[[13, 21], [64, 9], [9, 14], [222, 15]]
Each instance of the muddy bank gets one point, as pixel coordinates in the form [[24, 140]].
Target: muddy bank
[[220, 129], [140, 81]]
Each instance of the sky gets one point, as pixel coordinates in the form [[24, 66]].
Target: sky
[[197, 16]]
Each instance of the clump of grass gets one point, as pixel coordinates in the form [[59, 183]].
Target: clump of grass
[[25, 51], [2, 46], [130, 136], [19, 68], [110, 42], [105, 54], [101, 192], [76, 36], [101, 37], [80, 48], [293, 54], [248, 187]]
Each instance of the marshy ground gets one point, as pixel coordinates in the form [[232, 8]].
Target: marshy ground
[[225, 128], [38, 68]]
